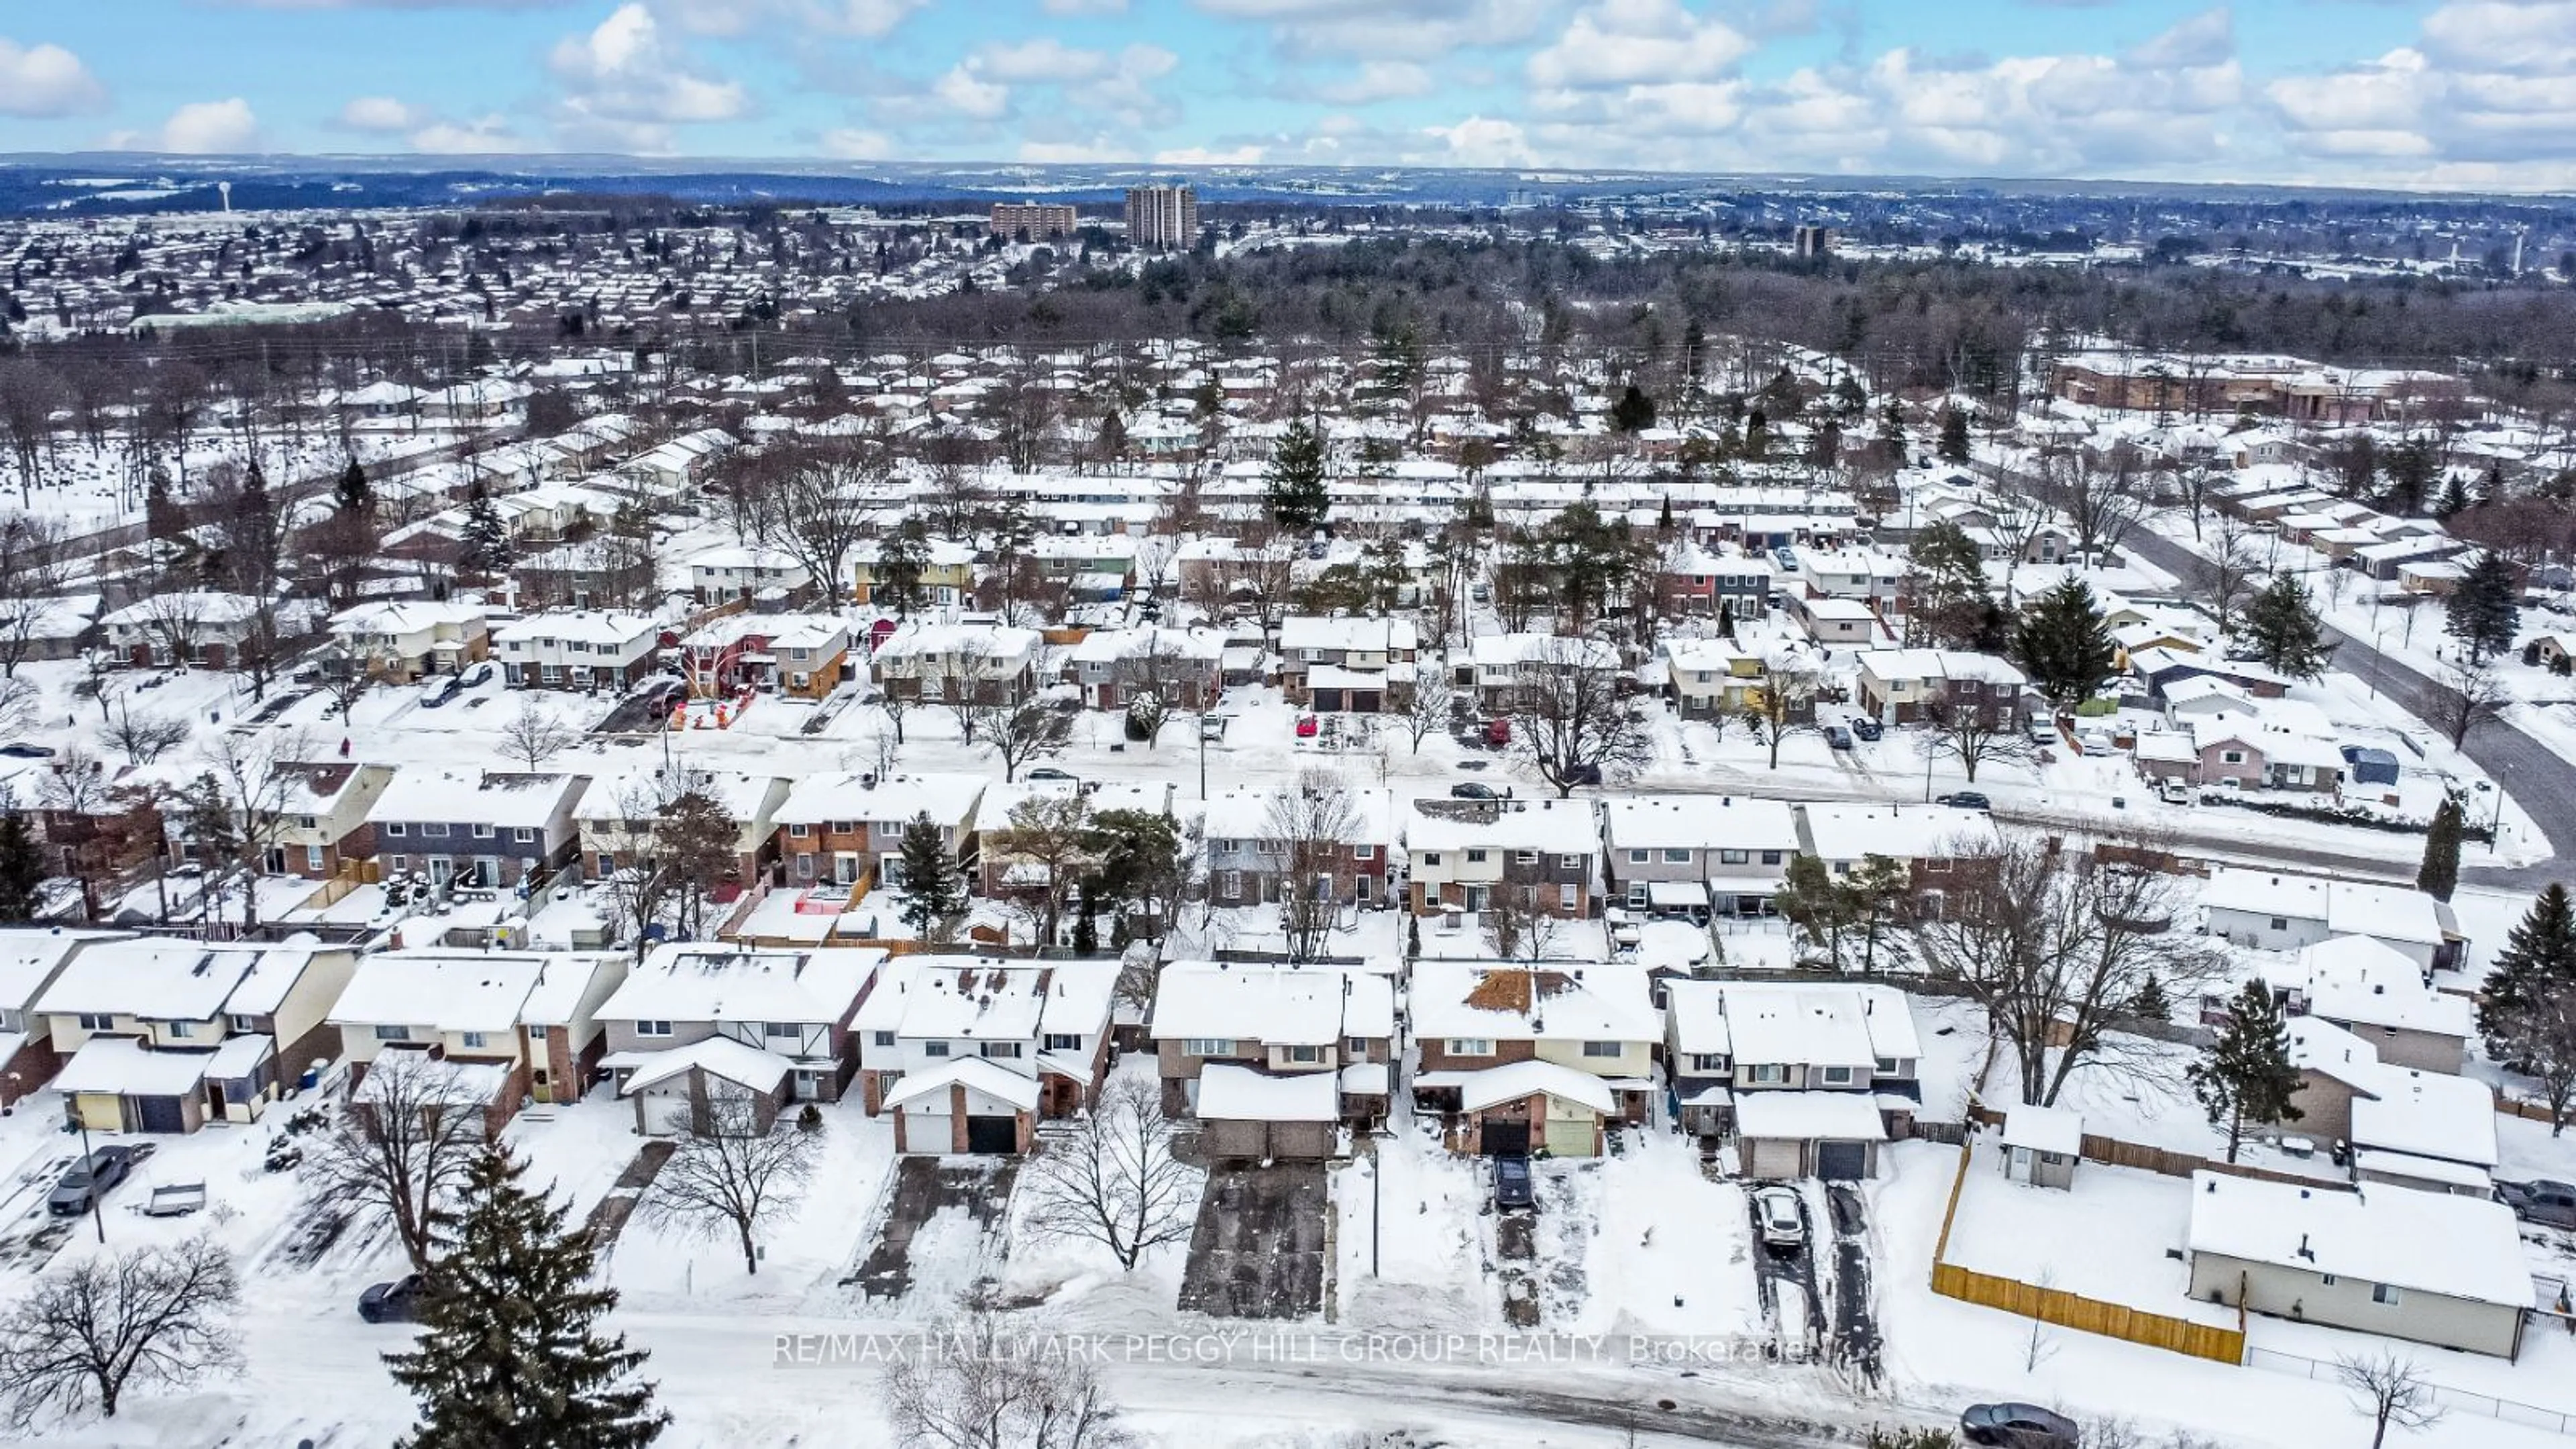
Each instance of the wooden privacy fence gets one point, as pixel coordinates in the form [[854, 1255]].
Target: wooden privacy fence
[[2164, 1162], [2073, 1310]]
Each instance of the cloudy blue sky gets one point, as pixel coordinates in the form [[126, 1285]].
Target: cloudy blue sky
[[2473, 93]]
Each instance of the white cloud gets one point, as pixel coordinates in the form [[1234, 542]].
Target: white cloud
[[380, 113], [211, 127], [625, 74], [849, 143], [1073, 153], [1114, 85], [1378, 80], [2486, 35], [1084, 7], [961, 92], [46, 80], [867, 19], [1637, 42], [485, 135], [1390, 29], [1482, 141], [1245, 155]]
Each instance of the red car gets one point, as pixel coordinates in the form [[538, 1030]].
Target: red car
[[1306, 727], [1498, 732]]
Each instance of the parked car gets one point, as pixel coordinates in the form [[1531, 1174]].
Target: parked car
[[2174, 792], [2043, 728], [394, 1302], [1966, 800], [1307, 725], [1783, 1223], [1838, 738], [1514, 1188], [1865, 727], [1046, 773], [1582, 774], [2019, 1426], [88, 1180], [2543, 1201], [2096, 743], [20, 750], [1470, 790]]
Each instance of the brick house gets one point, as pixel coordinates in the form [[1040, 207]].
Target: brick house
[[578, 649], [1345, 663], [516, 1025], [779, 1022], [1696, 855], [1518, 1058], [1249, 861], [969, 1054], [487, 829], [322, 819], [791, 654], [404, 641], [1328, 1025], [845, 827], [1801, 1076], [1905, 686]]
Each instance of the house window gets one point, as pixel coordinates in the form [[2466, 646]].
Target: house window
[[1063, 1041], [394, 829], [2385, 1293], [1006, 1050], [313, 857], [524, 834], [1471, 1046], [800, 830], [1475, 857], [1886, 1066], [1734, 857], [1708, 1062], [1567, 896], [652, 1028], [435, 830], [1222, 847], [1208, 1046], [241, 1021], [1305, 1055], [96, 1021], [179, 1030], [473, 1040], [934, 1048], [1838, 1076], [1601, 1049], [786, 1029], [536, 1033], [1431, 857], [1770, 857], [1671, 857], [1363, 852], [482, 831], [1769, 1074], [1357, 1046], [884, 1038], [1525, 857], [1639, 857], [393, 1033], [2280, 923]]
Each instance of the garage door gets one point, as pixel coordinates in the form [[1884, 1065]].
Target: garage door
[[932, 1132], [1771, 1157], [666, 1116], [1842, 1161], [160, 1114], [1569, 1136], [1505, 1138], [992, 1135]]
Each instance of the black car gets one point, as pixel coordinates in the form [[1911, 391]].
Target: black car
[[23, 751], [1866, 728], [1582, 774], [395, 1302], [1967, 800], [1470, 790], [1837, 738], [88, 1180], [1513, 1186], [2018, 1426]]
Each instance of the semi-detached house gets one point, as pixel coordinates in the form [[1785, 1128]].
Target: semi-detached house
[[1520, 1057], [693, 1025], [1806, 1079], [845, 827], [487, 829], [510, 1025], [969, 1054], [583, 649], [1542, 856], [1691, 855], [1273, 1058]]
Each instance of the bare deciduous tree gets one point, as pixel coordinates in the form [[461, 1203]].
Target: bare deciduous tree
[[533, 735], [1309, 825], [83, 1337], [2392, 1391], [816, 502], [141, 735], [1016, 733], [2465, 698], [2224, 581], [732, 1176], [265, 775], [32, 573], [989, 1388], [2102, 501], [1785, 705], [1426, 712], [1518, 924], [399, 1150], [1974, 736], [1112, 1179], [1570, 721]]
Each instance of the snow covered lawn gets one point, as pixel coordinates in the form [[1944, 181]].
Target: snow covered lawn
[[2105, 1239]]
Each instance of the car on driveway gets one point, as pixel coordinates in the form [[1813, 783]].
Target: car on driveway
[[88, 1180], [1966, 800], [394, 1302], [1838, 738], [1783, 1223], [1514, 1188], [2019, 1426], [2545, 1201], [1047, 773], [1865, 728]]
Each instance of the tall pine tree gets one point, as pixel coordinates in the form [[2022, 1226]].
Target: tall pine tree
[[2282, 626], [928, 874], [2538, 960], [353, 493], [485, 546], [507, 1355], [1946, 587], [2484, 611], [1297, 495], [2064, 645], [2245, 1077], [1953, 447], [22, 869], [2439, 875]]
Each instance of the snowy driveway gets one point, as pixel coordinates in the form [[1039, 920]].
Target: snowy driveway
[[1258, 1249], [924, 1188]]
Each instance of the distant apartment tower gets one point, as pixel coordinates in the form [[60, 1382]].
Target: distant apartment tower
[[1040, 219], [1815, 241], [1162, 216]]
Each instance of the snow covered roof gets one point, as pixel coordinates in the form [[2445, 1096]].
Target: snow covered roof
[[1900, 832], [436, 1080], [1681, 822], [2432, 1242], [501, 798], [717, 1056], [1276, 1003], [2426, 1114], [2362, 979], [582, 626], [1571, 1001], [1560, 827], [1835, 1116], [848, 796], [976, 1074], [2058, 1130], [1374, 636], [448, 991], [686, 981], [1229, 1093], [1821, 1024], [157, 978], [1481, 1089], [126, 1067], [30, 957]]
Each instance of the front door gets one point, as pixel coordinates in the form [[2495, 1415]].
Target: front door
[[440, 871]]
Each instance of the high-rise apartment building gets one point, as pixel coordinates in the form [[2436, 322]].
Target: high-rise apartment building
[[1815, 241], [1040, 219], [1162, 216]]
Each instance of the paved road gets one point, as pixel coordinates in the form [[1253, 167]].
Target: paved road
[[2528, 770]]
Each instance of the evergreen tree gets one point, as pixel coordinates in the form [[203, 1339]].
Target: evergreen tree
[[2281, 624], [1946, 587], [2491, 487], [1953, 447], [1757, 435], [1297, 495], [2455, 496], [2538, 961], [2439, 875], [1825, 444], [507, 1355], [2245, 1076], [353, 493], [1664, 520], [22, 869], [2151, 1001], [485, 546], [1086, 930], [2484, 611], [2064, 645], [163, 518], [903, 556], [932, 892], [1891, 426], [1634, 412]]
